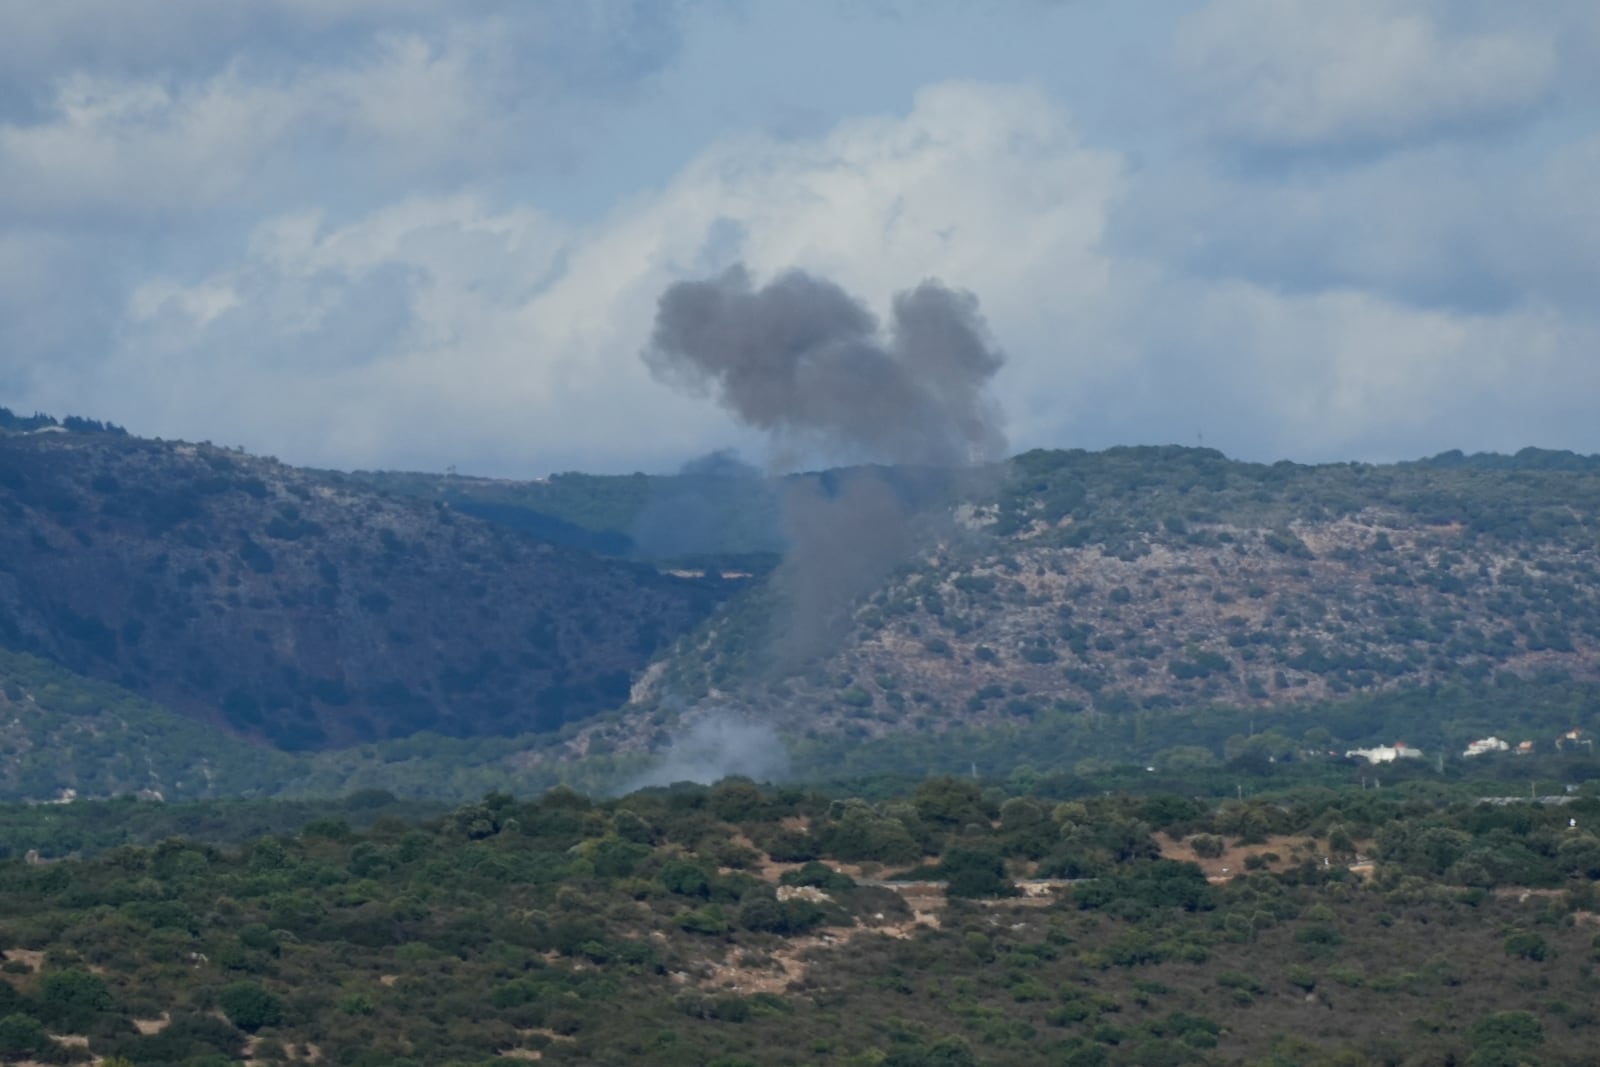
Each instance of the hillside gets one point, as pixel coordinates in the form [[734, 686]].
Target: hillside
[[1135, 583], [63, 736], [1138, 604], [306, 611], [67, 741]]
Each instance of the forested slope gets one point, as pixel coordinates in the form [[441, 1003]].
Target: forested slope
[[1130, 584], [278, 605]]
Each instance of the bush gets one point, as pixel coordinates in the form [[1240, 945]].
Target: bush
[[945, 1052], [75, 989], [708, 920], [975, 872], [249, 1007], [819, 875], [1527, 945], [685, 878], [21, 1035], [1506, 1030]]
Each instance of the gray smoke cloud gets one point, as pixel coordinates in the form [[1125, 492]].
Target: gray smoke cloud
[[806, 362], [714, 747], [803, 360], [715, 502]]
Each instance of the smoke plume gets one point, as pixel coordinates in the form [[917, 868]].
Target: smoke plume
[[715, 502], [802, 360], [717, 746]]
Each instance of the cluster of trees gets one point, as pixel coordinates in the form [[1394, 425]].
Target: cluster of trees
[[11, 422], [698, 925]]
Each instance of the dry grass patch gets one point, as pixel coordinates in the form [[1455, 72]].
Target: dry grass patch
[[1289, 850]]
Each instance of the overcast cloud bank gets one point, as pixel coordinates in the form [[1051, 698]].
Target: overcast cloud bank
[[401, 235]]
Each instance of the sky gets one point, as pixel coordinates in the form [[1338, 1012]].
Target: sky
[[419, 234]]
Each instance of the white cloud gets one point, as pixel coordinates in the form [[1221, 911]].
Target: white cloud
[[1347, 374], [444, 328], [339, 343], [1308, 73], [1443, 226], [139, 149], [339, 101], [454, 329], [189, 38], [334, 235]]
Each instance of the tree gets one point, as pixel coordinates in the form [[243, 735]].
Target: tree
[[1503, 1036], [70, 999], [249, 1007], [975, 872], [945, 1052], [1527, 945], [736, 799], [950, 802], [75, 989], [1181, 758], [685, 878], [1580, 855], [862, 833], [21, 1035]]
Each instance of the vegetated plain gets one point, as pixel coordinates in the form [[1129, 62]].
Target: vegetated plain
[[948, 923]]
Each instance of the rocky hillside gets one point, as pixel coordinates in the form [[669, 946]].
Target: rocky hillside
[[1141, 579], [307, 610], [1076, 592]]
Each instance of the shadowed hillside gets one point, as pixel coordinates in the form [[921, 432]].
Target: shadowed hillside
[[309, 611]]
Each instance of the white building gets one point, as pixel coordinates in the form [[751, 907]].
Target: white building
[[1483, 745], [1385, 753]]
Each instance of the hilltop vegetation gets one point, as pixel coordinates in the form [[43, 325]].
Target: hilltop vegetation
[[735, 925]]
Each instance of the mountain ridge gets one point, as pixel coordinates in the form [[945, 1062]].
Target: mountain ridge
[[1148, 588]]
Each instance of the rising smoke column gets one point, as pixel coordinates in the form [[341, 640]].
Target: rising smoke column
[[804, 361]]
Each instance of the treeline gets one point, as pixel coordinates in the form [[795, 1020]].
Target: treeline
[[63, 731], [1214, 748], [1121, 494], [14, 423]]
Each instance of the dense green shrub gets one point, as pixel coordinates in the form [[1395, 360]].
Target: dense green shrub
[[249, 1007]]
